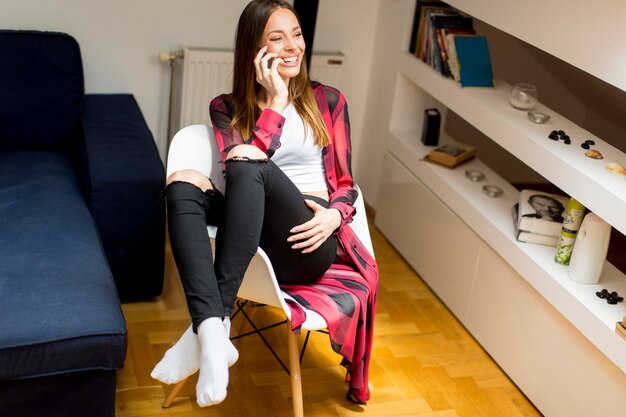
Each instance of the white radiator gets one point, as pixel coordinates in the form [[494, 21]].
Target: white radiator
[[206, 73]]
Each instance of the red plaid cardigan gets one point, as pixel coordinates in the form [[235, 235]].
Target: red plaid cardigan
[[346, 294]]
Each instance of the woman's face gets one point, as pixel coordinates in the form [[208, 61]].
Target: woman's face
[[283, 36]]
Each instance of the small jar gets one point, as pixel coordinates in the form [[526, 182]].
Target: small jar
[[524, 96]]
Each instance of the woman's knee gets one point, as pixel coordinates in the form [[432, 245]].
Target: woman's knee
[[190, 176], [244, 152]]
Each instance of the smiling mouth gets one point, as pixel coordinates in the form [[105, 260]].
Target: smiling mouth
[[290, 60]]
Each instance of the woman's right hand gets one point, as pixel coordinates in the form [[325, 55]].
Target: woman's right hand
[[268, 77]]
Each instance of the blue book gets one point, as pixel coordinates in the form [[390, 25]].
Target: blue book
[[474, 61]]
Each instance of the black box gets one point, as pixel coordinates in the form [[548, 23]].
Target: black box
[[430, 130]]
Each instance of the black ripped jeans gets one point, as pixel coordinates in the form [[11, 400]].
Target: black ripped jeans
[[260, 206]]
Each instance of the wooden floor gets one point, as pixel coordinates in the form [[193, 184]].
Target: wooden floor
[[424, 363]]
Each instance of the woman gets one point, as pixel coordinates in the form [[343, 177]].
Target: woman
[[286, 149]]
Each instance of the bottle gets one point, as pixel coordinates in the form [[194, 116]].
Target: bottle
[[590, 249], [571, 223]]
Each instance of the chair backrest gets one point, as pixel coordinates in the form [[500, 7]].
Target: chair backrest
[[359, 222], [195, 147]]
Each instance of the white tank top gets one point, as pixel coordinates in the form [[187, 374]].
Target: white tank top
[[298, 155]]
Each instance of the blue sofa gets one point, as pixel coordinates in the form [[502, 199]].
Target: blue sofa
[[81, 224]]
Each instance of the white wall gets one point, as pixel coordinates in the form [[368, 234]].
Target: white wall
[[390, 26], [349, 26], [120, 42]]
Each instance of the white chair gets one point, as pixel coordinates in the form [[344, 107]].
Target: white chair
[[195, 147]]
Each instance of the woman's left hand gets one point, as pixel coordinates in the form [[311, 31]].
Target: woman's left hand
[[312, 234]]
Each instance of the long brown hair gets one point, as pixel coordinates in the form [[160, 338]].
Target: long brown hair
[[250, 29]]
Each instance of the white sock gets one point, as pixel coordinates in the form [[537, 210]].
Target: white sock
[[183, 359], [213, 379], [232, 354], [180, 361]]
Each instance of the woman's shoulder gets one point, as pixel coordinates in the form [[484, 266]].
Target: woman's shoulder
[[332, 95], [327, 89], [222, 103], [221, 99]]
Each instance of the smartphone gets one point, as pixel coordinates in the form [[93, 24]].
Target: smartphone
[[269, 61]]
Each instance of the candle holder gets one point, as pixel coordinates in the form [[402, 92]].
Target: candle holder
[[538, 117], [523, 96]]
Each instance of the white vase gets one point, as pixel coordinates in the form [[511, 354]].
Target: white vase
[[590, 248]]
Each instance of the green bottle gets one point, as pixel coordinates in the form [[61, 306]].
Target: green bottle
[[574, 212]]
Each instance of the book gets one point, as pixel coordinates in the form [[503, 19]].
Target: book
[[430, 48], [451, 154], [444, 24], [541, 212], [529, 237], [452, 59], [422, 31], [620, 329], [417, 19], [474, 61]]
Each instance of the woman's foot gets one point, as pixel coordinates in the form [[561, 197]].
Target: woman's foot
[[180, 361], [183, 359], [213, 379], [232, 354]]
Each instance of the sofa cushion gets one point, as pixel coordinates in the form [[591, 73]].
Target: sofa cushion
[[59, 310], [42, 90], [125, 179]]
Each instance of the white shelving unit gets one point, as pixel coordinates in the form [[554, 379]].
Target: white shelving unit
[[566, 166], [490, 219], [572, 329]]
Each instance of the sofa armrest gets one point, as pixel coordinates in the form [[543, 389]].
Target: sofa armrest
[[124, 179]]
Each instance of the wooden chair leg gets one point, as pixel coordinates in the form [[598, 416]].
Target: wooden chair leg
[[173, 393], [294, 371]]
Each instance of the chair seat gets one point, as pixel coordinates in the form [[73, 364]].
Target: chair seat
[[314, 321]]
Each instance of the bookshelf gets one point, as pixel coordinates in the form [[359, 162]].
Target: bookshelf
[[566, 166], [572, 329]]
